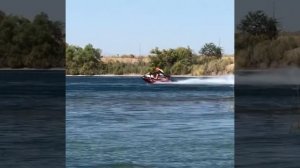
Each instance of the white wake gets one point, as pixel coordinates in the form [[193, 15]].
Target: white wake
[[218, 80], [279, 76]]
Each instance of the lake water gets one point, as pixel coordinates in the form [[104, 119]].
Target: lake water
[[32, 112], [267, 118], [123, 122]]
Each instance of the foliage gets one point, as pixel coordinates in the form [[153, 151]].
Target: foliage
[[121, 68], [179, 61], [210, 49], [33, 44], [174, 61], [260, 45], [85, 61], [213, 66], [257, 23]]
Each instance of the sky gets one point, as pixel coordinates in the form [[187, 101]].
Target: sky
[[55, 9], [137, 26]]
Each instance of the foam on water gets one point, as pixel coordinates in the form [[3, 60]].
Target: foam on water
[[279, 76], [220, 80]]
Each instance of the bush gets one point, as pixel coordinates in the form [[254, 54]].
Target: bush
[[292, 57], [33, 44], [210, 49], [257, 23], [167, 58], [179, 61], [268, 53], [180, 68], [85, 61], [213, 66]]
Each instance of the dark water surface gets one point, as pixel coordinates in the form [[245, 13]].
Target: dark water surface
[[267, 126], [124, 122], [32, 113]]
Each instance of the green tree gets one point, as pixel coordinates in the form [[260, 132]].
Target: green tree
[[36, 44], [166, 59], [257, 23], [86, 61], [48, 40], [210, 49]]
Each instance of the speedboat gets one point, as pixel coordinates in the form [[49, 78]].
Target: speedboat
[[150, 79]]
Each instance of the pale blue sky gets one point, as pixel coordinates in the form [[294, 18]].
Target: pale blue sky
[[131, 26]]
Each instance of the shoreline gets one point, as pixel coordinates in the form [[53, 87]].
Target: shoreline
[[31, 69], [137, 75]]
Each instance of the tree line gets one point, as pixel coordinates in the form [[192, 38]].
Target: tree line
[[40, 43], [37, 43], [87, 61], [259, 43]]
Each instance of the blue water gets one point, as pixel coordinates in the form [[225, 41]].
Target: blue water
[[123, 122], [32, 112]]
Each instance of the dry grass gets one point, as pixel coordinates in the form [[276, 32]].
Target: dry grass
[[202, 66], [210, 66], [125, 60], [276, 53]]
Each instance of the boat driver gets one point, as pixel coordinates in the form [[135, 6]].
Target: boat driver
[[158, 72]]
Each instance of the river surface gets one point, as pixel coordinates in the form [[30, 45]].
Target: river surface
[[123, 122]]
